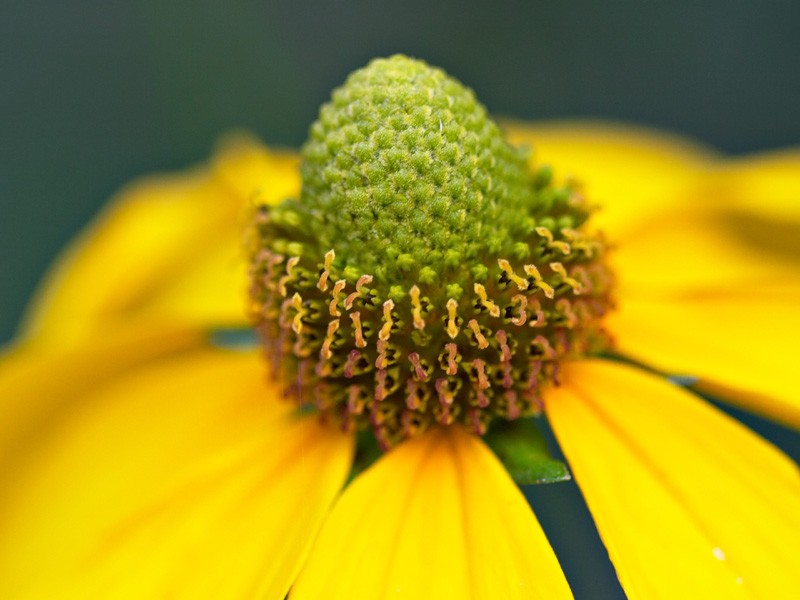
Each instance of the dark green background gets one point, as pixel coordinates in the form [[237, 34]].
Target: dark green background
[[95, 93]]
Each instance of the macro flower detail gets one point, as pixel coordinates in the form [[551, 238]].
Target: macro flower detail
[[148, 450], [454, 278]]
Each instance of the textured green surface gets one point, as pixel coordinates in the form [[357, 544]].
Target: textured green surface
[[405, 170], [523, 451]]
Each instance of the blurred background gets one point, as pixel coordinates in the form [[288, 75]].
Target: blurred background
[[96, 92]]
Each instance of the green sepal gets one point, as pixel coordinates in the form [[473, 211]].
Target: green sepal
[[522, 449], [367, 452]]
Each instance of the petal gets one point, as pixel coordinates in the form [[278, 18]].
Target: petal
[[184, 478], [38, 382], [168, 246], [762, 205], [251, 171], [437, 517], [632, 172], [740, 342], [212, 287], [688, 501], [139, 244], [710, 291], [766, 183], [749, 237], [684, 251]]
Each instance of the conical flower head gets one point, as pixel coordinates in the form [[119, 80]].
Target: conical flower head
[[405, 171], [427, 273]]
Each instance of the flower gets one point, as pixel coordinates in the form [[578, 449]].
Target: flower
[[141, 459]]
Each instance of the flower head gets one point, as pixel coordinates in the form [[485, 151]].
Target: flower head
[[427, 274], [424, 280]]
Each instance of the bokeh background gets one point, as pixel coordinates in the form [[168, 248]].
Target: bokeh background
[[96, 92]]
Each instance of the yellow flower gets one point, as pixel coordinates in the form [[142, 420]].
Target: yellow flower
[[137, 459]]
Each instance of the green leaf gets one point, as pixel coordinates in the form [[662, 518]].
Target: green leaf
[[522, 449]]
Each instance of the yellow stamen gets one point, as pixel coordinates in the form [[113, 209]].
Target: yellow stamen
[[322, 284], [561, 270], [362, 281], [445, 395], [544, 232], [351, 363], [386, 330], [452, 365], [480, 372], [289, 266], [297, 304], [493, 309], [479, 337], [413, 401], [521, 282], [337, 290], [325, 351], [522, 316], [416, 308], [355, 401], [536, 308], [272, 260], [452, 328], [358, 333], [381, 362], [419, 370], [544, 344], [565, 308], [533, 272]]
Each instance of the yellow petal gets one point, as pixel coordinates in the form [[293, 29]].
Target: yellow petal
[[212, 287], [748, 236], [168, 246], [39, 381], [438, 517], [688, 502], [253, 172], [762, 205], [143, 240], [688, 250], [184, 479], [766, 183], [740, 342], [209, 290], [631, 172]]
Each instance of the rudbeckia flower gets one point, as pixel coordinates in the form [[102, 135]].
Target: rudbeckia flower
[[424, 288]]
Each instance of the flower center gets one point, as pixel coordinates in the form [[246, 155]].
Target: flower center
[[427, 274]]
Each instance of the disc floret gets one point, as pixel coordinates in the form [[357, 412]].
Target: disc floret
[[427, 274]]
